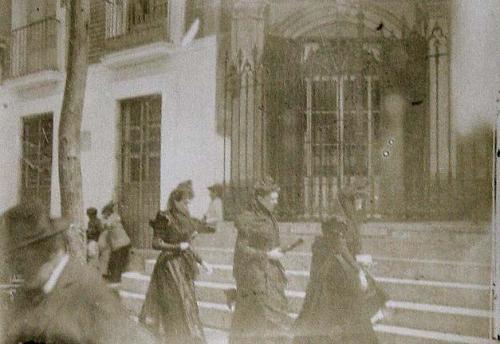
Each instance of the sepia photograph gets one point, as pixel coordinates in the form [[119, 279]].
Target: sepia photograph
[[249, 171]]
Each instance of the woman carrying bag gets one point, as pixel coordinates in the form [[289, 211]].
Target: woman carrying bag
[[118, 242]]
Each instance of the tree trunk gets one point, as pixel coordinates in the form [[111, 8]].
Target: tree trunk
[[70, 174]]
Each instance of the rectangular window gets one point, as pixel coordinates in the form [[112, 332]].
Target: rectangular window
[[36, 161], [125, 17], [141, 119]]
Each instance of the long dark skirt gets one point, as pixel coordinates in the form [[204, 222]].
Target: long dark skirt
[[170, 308], [334, 308], [118, 262], [262, 316]]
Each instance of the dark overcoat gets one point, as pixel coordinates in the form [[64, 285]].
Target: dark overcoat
[[80, 309], [261, 310]]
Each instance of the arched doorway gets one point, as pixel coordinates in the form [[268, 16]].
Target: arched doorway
[[329, 109], [337, 125]]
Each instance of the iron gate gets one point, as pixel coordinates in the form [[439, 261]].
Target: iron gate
[[305, 115]]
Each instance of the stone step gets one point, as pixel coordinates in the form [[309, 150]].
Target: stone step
[[380, 227], [391, 335], [433, 292], [474, 251], [459, 301], [215, 336], [218, 316], [292, 261], [212, 335], [205, 291], [431, 270], [455, 245], [416, 231], [462, 321], [471, 251], [412, 290], [418, 269], [222, 274], [396, 335]]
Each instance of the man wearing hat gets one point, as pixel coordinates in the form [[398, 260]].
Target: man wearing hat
[[61, 300]]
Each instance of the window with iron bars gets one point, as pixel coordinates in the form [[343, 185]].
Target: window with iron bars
[[37, 158], [125, 17]]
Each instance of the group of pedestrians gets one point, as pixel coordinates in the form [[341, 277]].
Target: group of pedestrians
[[108, 244], [340, 297], [65, 301]]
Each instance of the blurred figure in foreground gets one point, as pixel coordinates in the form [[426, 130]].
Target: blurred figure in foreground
[[61, 300]]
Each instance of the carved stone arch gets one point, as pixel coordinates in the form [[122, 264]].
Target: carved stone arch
[[308, 18], [258, 9]]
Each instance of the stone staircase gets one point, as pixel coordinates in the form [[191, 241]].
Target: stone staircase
[[437, 276]]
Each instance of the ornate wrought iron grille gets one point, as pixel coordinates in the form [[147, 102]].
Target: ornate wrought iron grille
[[311, 113], [305, 115]]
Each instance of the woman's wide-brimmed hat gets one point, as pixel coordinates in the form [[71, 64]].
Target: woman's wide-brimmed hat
[[28, 223]]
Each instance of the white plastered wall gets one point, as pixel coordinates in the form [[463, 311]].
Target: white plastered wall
[[191, 148]]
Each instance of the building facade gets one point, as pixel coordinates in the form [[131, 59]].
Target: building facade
[[149, 112], [319, 94], [328, 94]]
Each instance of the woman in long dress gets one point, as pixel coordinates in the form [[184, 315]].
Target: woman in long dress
[[352, 235], [334, 310], [170, 308], [261, 309]]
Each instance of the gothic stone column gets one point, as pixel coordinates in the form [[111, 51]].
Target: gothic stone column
[[442, 140], [247, 126]]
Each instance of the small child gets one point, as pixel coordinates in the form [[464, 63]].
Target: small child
[[94, 230]]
